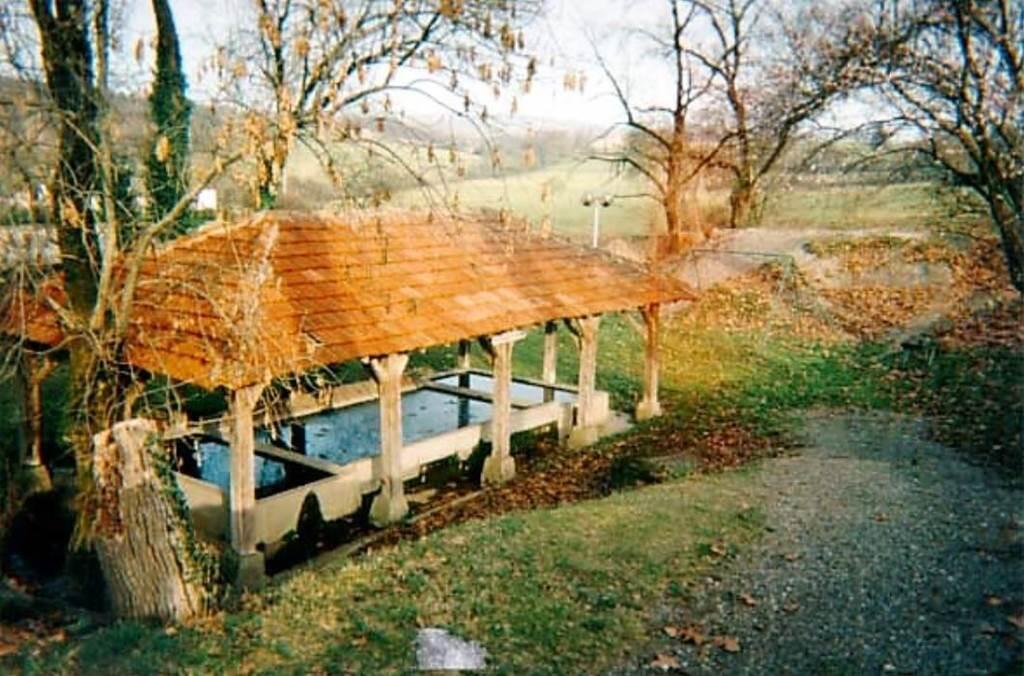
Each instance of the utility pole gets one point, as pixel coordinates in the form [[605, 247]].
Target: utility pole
[[598, 203]]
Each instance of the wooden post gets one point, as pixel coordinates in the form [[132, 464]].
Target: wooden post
[[390, 504], [32, 371], [463, 362], [585, 430], [499, 466], [549, 373], [298, 437], [649, 406], [242, 493]]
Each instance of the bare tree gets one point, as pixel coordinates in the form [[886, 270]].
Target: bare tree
[[953, 72], [316, 72], [761, 61], [661, 145], [744, 81]]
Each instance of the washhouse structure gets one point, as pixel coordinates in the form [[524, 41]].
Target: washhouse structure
[[246, 307]]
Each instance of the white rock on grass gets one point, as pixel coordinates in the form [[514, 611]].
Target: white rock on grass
[[436, 649]]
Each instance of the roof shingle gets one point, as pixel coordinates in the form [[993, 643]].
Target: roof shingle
[[281, 292]]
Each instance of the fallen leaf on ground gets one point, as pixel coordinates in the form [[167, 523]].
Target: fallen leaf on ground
[[693, 634], [672, 632], [729, 644], [792, 556], [748, 600], [993, 601], [881, 517], [665, 662], [791, 607], [719, 549]]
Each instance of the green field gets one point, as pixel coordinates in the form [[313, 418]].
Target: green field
[[555, 194], [805, 205]]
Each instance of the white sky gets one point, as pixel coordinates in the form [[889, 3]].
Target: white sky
[[561, 38], [560, 35]]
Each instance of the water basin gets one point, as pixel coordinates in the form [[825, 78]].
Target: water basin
[[521, 391], [346, 434]]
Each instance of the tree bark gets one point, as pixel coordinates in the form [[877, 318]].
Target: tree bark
[[152, 562], [32, 371], [1012, 232], [742, 201]]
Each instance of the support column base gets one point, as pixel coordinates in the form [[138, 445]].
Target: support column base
[[498, 470], [251, 573], [35, 479], [646, 410], [388, 509], [581, 437]]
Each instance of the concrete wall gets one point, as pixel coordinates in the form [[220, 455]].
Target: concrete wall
[[341, 493]]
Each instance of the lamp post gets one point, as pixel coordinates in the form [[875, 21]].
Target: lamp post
[[597, 202]]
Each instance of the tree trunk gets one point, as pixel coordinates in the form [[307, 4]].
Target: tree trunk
[[152, 562], [28, 381], [1011, 232], [271, 177], [742, 202]]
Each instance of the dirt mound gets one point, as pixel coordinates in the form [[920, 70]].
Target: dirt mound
[[868, 286]]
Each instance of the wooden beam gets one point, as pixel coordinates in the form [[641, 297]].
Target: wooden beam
[[499, 466], [585, 427], [649, 406], [467, 393], [242, 489], [587, 379], [549, 370], [463, 362], [390, 504], [519, 379]]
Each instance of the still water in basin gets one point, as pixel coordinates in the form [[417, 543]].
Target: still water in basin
[[340, 436], [208, 459], [347, 434], [353, 432]]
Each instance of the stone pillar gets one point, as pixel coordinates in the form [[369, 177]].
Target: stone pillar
[[585, 431], [549, 370], [499, 466], [390, 504], [242, 494], [32, 371], [649, 406]]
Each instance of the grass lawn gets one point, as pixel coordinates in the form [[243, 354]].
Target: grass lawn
[[565, 590], [899, 206], [555, 591], [576, 588]]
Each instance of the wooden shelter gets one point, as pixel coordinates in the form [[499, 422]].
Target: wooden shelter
[[237, 305]]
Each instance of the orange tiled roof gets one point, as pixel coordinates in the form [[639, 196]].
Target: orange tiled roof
[[281, 292]]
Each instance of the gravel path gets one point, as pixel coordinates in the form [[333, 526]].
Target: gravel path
[[885, 553]]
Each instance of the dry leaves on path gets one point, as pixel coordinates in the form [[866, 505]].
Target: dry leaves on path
[[665, 662], [729, 644]]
